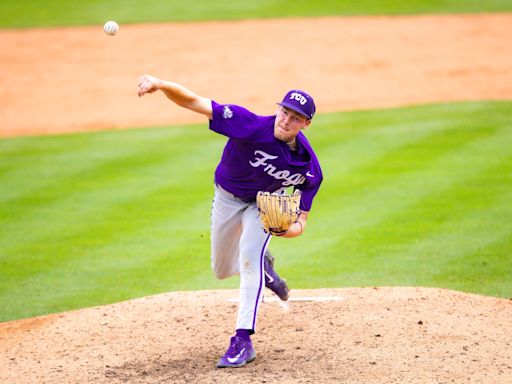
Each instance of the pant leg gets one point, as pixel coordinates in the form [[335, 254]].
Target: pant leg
[[253, 244], [226, 229]]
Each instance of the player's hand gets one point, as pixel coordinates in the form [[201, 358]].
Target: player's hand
[[148, 84]]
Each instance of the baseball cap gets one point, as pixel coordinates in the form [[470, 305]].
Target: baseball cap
[[300, 102]]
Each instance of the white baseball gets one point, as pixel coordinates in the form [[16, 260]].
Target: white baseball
[[111, 28]]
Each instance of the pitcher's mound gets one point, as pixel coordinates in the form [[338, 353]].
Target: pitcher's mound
[[368, 335]]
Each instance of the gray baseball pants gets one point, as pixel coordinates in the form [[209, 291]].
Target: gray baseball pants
[[238, 245]]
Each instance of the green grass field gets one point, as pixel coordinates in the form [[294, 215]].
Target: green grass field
[[415, 196], [30, 13]]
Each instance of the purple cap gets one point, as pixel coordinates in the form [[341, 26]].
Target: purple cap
[[300, 102]]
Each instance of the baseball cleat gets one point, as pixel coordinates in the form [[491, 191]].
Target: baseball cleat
[[272, 279], [239, 353]]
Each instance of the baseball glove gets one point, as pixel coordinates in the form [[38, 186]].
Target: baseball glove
[[278, 211]]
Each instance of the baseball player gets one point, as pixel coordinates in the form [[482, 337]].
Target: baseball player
[[262, 153]]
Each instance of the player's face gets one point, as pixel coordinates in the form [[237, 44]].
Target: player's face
[[288, 124]]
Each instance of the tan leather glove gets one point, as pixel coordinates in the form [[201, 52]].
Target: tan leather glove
[[278, 211]]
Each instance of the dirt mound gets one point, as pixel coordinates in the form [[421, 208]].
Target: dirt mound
[[369, 335]]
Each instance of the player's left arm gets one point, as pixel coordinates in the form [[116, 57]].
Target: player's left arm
[[297, 228], [307, 196]]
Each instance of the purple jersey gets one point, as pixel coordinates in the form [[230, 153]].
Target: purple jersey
[[254, 160]]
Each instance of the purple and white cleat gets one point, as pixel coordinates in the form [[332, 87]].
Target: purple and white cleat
[[239, 353], [272, 279]]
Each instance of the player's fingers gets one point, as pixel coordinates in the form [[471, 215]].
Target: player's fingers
[[145, 87], [142, 79]]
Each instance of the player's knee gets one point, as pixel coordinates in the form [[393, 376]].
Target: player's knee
[[220, 271], [221, 274]]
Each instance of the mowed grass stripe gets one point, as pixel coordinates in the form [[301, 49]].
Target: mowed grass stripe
[[121, 220], [32, 172], [127, 229], [435, 210], [454, 253], [366, 135], [86, 219], [403, 176], [86, 195], [492, 263], [362, 137], [417, 152], [365, 207], [26, 157], [441, 230], [411, 183], [111, 271]]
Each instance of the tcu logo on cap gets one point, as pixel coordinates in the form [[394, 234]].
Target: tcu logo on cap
[[297, 96]]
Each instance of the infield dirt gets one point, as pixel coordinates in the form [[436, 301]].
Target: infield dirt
[[68, 80], [79, 79]]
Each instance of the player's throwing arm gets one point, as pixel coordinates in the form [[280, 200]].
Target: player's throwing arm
[[177, 93]]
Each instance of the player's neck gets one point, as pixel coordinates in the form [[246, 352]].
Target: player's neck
[[292, 144]]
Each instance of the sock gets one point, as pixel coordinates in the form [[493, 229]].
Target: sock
[[244, 334]]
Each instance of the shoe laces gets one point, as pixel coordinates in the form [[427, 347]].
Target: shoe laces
[[234, 345]]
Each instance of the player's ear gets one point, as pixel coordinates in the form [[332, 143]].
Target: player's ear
[[306, 124]]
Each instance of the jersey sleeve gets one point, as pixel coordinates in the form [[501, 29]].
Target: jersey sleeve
[[307, 197], [309, 192], [314, 179], [232, 121]]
